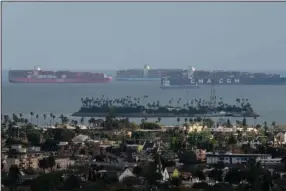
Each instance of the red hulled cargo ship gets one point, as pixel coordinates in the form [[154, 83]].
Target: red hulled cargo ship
[[40, 76]]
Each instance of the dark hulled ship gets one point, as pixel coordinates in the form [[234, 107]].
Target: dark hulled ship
[[41, 76], [146, 74], [191, 77]]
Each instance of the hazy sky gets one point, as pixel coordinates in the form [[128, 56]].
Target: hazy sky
[[130, 35]]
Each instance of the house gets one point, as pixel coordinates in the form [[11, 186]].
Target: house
[[67, 126], [175, 173], [63, 162], [280, 138], [64, 143], [165, 175], [222, 130], [80, 139], [186, 175], [234, 129], [33, 149], [148, 145], [270, 161], [229, 158], [172, 172], [132, 147], [126, 173], [82, 127], [48, 127], [24, 177], [200, 154], [19, 148], [23, 157], [195, 128]]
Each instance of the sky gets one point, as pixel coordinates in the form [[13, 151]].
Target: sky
[[112, 36]]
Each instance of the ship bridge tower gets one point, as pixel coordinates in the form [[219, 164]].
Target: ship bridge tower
[[191, 71], [146, 69], [36, 70]]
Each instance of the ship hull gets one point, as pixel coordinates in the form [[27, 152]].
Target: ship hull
[[180, 87], [214, 82], [58, 81], [250, 84], [240, 84], [242, 81], [137, 79], [247, 82], [56, 77]]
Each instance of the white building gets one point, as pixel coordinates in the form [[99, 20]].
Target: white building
[[125, 174], [269, 161], [165, 175], [80, 139], [229, 158]]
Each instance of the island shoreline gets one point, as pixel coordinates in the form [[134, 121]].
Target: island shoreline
[[154, 115]]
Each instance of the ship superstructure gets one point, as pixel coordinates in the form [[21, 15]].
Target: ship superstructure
[[43, 76]]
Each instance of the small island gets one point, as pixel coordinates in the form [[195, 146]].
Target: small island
[[135, 107]]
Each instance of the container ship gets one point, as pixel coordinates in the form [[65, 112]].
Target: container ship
[[191, 77], [145, 74], [41, 76]]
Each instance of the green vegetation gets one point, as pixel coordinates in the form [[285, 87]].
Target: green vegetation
[[177, 142], [133, 107]]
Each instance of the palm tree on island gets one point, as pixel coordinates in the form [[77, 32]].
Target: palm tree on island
[[37, 118], [131, 106], [31, 114], [45, 117]]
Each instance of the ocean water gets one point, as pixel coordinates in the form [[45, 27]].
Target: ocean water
[[268, 101]]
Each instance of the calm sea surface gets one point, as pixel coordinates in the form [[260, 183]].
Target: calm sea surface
[[268, 101]]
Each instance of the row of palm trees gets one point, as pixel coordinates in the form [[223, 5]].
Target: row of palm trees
[[130, 103], [114, 123], [19, 118]]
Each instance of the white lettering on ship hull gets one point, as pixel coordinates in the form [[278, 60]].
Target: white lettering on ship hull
[[193, 81], [220, 81]]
